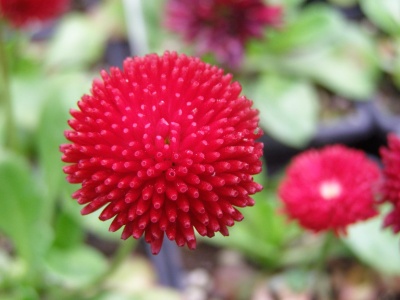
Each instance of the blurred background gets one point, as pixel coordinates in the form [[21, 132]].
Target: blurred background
[[320, 72]]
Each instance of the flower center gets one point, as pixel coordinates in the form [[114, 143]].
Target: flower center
[[330, 189]]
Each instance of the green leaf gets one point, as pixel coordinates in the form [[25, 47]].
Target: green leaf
[[288, 108], [384, 13], [151, 293], [64, 92], [263, 226], [24, 213], [348, 66], [28, 93], [49, 138], [133, 274], [315, 25], [91, 222], [374, 245], [135, 277], [351, 67], [321, 46], [77, 43], [394, 67], [68, 232], [75, 267], [396, 72], [23, 292]]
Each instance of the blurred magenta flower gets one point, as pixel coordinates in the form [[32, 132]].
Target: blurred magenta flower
[[22, 12], [221, 26], [167, 145], [391, 180], [330, 188], [393, 218]]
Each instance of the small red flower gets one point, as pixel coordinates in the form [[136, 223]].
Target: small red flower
[[22, 12], [330, 188], [221, 26], [167, 145], [391, 180]]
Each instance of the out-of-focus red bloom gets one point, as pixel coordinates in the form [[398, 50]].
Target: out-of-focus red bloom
[[167, 145], [393, 218], [22, 12], [391, 180], [221, 26], [330, 188]]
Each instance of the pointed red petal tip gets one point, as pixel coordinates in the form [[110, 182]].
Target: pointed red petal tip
[[155, 246], [154, 148]]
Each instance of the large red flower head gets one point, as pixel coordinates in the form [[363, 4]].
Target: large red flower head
[[391, 180], [330, 188], [167, 145], [22, 12], [221, 26]]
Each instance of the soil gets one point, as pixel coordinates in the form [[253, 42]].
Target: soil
[[389, 97], [333, 106], [221, 274]]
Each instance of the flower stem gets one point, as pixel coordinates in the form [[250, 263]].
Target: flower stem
[[321, 262], [325, 249], [124, 250], [5, 95]]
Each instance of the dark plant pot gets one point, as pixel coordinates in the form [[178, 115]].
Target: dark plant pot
[[348, 130], [352, 130], [353, 13], [116, 51], [83, 5], [168, 264], [277, 154], [385, 120]]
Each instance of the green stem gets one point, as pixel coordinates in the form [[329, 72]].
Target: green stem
[[124, 250], [5, 95], [319, 267], [324, 252]]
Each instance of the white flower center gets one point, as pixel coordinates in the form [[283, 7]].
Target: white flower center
[[330, 189]]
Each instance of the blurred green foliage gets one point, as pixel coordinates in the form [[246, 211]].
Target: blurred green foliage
[[43, 248], [385, 15]]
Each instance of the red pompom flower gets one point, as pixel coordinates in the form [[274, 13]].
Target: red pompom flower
[[166, 145], [391, 180], [221, 26], [330, 188], [23, 12]]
